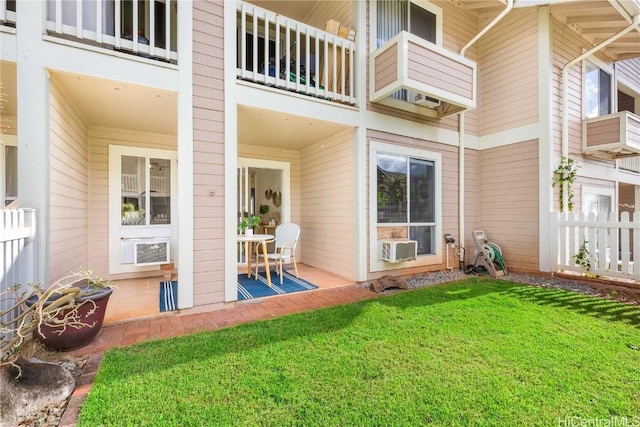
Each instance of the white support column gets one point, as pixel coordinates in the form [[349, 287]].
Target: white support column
[[360, 148], [185, 155], [33, 126], [230, 154], [545, 139]]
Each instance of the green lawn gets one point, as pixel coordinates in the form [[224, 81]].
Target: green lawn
[[475, 352]]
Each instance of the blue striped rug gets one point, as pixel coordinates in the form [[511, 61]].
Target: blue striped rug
[[249, 287], [168, 296]]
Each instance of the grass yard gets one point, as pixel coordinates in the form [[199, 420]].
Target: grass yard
[[476, 352]]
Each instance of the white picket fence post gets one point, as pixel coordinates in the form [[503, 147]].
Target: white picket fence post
[[17, 255], [17, 247], [612, 245]]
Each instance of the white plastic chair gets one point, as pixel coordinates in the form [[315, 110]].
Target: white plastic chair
[[286, 240]]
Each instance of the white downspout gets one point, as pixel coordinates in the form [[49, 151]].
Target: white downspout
[[488, 27], [461, 216], [565, 91]]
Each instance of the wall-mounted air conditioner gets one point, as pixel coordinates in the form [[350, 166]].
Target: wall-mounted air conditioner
[[426, 101], [397, 250], [151, 251]]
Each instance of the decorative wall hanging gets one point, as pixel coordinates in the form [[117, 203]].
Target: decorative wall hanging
[[277, 198]]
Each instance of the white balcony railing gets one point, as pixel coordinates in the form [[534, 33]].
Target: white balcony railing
[[113, 24], [278, 51], [631, 164], [8, 13]]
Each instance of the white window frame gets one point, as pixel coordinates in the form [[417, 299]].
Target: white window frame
[[118, 232], [425, 4], [598, 191], [625, 87], [376, 147], [607, 68], [5, 141]]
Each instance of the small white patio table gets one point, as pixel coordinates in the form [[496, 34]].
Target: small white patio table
[[257, 238]]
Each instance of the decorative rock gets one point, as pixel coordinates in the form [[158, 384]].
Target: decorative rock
[[41, 384], [387, 282]]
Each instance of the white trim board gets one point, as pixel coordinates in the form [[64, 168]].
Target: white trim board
[[231, 89], [402, 127], [99, 64], [259, 96], [510, 136], [545, 136], [8, 46], [185, 154]]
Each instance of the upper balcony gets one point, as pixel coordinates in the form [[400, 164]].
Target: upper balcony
[[612, 136], [112, 24], [415, 75], [8, 13], [630, 164], [277, 51]]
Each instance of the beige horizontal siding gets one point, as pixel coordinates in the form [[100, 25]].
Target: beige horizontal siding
[[386, 67], [327, 192], [629, 70], [208, 151], [567, 45], [508, 202], [508, 82], [68, 180], [430, 67], [472, 185], [603, 131]]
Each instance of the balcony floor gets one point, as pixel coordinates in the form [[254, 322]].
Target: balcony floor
[[138, 298]]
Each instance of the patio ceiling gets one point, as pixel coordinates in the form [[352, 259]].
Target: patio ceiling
[[594, 20], [278, 130], [107, 103], [8, 97]]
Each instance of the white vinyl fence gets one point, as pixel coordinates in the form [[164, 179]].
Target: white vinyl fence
[[610, 247], [17, 254]]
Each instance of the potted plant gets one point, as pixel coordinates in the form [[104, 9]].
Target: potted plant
[[247, 224], [70, 313]]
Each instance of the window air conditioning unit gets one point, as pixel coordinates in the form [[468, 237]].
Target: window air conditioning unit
[[398, 250], [152, 252], [426, 101]]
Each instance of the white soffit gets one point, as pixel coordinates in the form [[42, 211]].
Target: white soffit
[[120, 105], [597, 20], [270, 128]]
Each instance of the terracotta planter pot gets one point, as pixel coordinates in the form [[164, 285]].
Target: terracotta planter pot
[[73, 338]]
